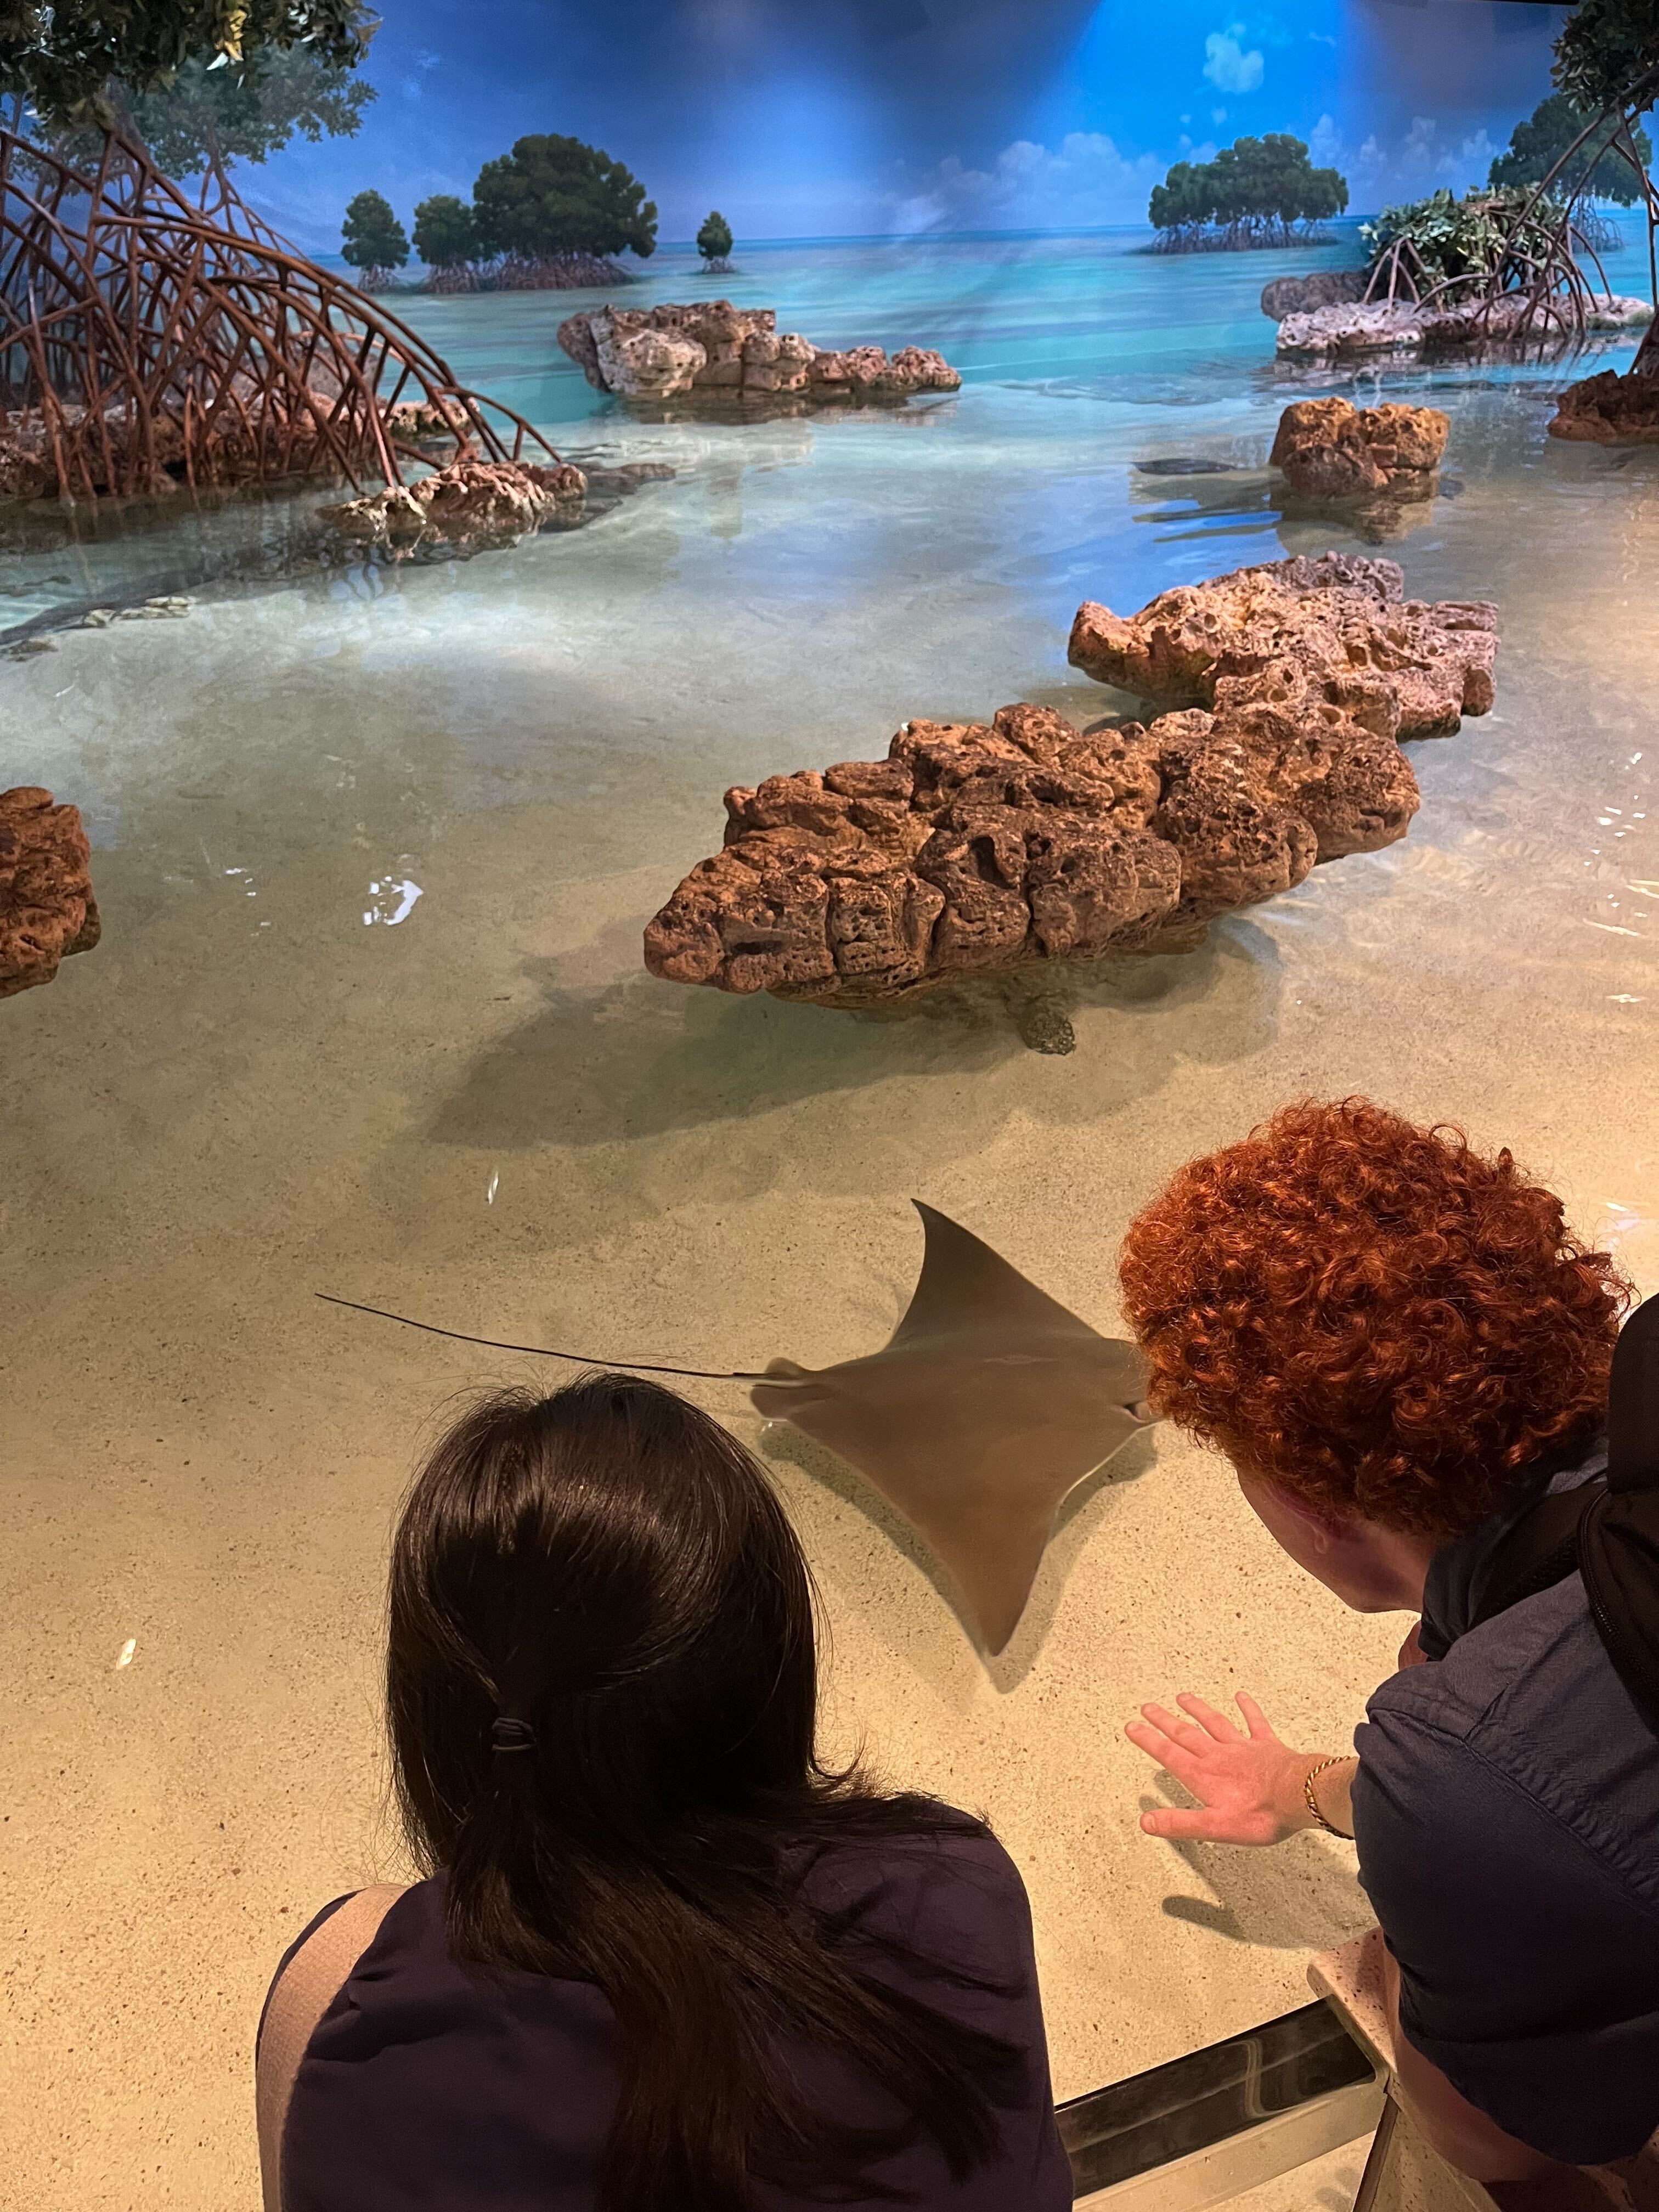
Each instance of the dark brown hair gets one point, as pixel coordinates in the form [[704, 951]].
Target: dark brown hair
[[1372, 1315], [611, 1569]]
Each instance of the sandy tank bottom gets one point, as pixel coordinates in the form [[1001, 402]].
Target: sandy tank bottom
[[369, 1018]]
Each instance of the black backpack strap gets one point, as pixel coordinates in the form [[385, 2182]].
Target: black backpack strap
[[1538, 1551], [1619, 1537]]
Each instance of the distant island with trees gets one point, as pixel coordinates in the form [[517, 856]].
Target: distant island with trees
[[714, 242], [551, 214], [1257, 191], [372, 240]]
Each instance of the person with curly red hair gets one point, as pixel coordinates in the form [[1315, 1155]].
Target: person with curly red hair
[[1402, 1347]]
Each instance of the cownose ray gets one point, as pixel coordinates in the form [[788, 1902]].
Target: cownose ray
[[989, 1404], [986, 1406]]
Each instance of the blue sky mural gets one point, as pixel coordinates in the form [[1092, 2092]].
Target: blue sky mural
[[851, 117]]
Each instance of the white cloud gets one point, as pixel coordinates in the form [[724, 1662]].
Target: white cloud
[[1423, 158], [1083, 183], [1227, 66], [1218, 115]]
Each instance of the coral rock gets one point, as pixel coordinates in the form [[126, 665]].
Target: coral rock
[[472, 503], [710, 347], [1328, 449], [1343, 328], [1620, 310], [1336, 627], [1338, 332], [984, 848], [1609, 410], [976, 847], [47, 910]]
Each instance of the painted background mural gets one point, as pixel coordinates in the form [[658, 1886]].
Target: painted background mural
[[900, 117]]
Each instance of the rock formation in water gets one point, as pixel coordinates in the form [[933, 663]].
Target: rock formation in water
[[735, 354], [1328, 449], [465, 507], [1340, 331], [1300, 296], [47, 910], [1337, 629], [989, 847], [1609, 410]]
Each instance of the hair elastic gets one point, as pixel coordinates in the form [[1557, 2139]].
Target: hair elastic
[[508, 1735]]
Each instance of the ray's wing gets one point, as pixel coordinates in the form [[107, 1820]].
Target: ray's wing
[[990, 1401], [966, 1292]]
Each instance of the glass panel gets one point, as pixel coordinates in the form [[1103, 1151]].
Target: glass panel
[[376, 840]]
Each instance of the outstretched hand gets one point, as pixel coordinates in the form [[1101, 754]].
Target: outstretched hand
[[1249, 1786]]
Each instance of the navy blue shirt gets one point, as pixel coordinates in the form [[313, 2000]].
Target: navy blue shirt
[[426, 2083], [1506, 1810]]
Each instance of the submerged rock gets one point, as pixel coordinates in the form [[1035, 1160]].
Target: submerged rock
[[1609, 410], [1328, 449], [427, 421], [975, 847], [1360, 326], [1300, 296], [47, 910], [735, 354], [1336, 629], [1340, 331], [1620, 311], [466, 507]]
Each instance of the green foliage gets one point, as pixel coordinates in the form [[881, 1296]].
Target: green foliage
[[551, 196], [1469, 237], [714, 238], [371, 236], [64, 55], [1608, 55], [1252, 193], [212, 116], [446, 231], [1594, 172]]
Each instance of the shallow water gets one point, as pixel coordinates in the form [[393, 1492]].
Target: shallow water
[[374, 847]]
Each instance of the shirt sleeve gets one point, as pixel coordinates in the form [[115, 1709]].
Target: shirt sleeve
[[1513, 1942]]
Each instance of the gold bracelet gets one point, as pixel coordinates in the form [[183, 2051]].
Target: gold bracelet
[[1339, 1759]]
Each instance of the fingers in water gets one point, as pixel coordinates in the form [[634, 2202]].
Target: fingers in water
[[1147, 1738], [1177, 1826], [1254, 1719], [1214, 1724], [1175, 1727]]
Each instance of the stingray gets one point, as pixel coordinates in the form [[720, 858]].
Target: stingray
[[989, 1404]]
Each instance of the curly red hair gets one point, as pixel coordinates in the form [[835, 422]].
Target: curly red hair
[[1372, 1314]]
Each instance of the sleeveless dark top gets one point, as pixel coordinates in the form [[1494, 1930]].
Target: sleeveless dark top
[[430, 2084]]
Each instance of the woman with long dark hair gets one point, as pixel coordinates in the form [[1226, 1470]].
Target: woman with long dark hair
[[662, 1960]]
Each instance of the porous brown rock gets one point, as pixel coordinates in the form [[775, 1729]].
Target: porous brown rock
[[985, 848], [735, 354], [47, 910], [1330, 449], [1337, 628], [467, 505], [1609, 410]]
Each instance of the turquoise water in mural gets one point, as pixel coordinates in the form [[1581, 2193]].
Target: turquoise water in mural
[[1065, 342]]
